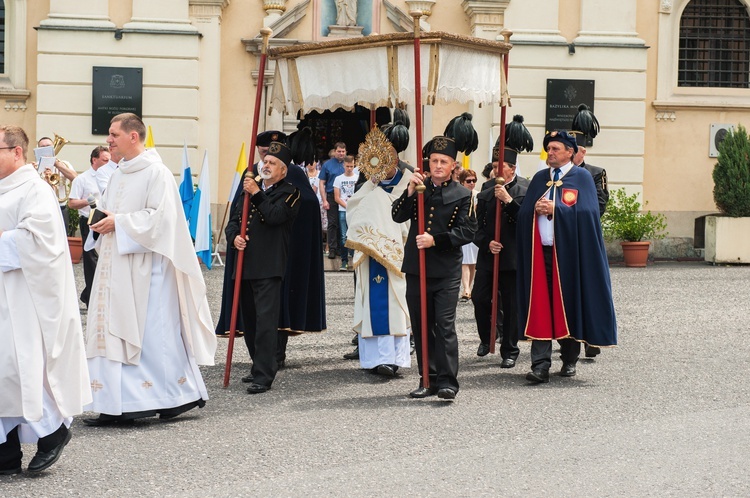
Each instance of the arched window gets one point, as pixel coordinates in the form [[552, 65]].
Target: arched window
[[714, 44]]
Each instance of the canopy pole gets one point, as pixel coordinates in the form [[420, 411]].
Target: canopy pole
[[498, 207], [266, 34], [417, 15]]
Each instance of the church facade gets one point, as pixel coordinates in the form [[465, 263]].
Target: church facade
[[664, 79]]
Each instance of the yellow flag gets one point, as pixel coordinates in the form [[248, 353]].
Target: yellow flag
[[149, 138], [241, 165]]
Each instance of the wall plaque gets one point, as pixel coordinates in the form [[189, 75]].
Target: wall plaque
[[563, 99], [115, 90]]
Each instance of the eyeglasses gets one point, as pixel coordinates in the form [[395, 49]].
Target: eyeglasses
[[9, 148], [470, 180]]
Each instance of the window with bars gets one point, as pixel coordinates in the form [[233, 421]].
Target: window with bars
[[2, 37], [714, 45]]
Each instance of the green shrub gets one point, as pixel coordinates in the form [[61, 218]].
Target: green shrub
[[73, 217], [623, 219], [732, 174]]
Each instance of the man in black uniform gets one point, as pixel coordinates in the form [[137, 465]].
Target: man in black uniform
[[262, 141], [450, 223], [273, 208], [510, 196]]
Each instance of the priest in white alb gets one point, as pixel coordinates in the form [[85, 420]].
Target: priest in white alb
[[149, 325], [43, 376], [381, 316]]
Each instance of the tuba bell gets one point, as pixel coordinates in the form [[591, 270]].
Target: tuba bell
[[53, 179]]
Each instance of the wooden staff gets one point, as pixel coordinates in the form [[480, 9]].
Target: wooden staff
[[498, 208], [266, 34], [417, 15]]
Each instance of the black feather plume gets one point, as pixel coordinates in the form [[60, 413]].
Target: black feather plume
[[517, 136], [585, 122], [463, 133], [401, 115], [397, 134], [302, 146]]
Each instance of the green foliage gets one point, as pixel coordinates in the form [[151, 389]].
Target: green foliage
[[623, 219], [732, 174], [72, 222]]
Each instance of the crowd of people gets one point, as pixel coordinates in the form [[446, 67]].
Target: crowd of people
[[411, 237]]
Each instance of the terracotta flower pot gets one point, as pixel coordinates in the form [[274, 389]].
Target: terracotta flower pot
[[76, 249], [635, 253]]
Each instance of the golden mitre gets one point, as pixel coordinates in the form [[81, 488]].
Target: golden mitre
[[376, 155]]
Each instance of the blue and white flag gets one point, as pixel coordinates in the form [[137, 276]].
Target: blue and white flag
[[200, 215], [186, 183]]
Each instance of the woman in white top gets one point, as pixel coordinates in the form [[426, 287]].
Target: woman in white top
[[468, 178]]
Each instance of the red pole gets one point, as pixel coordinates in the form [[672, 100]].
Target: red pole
[[498, 209], [266, 34], [417, 15]]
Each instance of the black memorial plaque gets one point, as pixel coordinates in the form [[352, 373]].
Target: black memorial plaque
[[563, 99], [115, 90]]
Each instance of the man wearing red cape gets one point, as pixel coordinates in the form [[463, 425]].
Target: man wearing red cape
[[564, 289]]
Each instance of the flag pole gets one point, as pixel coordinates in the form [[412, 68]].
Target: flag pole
[[498, 207], [417, 15], [266, 34]]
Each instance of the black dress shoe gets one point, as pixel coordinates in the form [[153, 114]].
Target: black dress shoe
[[247, 379], [483, 350], [508, 363], [355, 341], [387, 370], [257, 389], [44, 459], [422, 392], [106, 421], [331, 255], [568, 370], [592, 351], [538, 376], [447, 393], [354, 355]]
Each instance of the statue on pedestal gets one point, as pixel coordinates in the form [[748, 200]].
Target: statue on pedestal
[[346, 12]]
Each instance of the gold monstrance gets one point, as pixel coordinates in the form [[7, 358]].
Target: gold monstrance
[[376, 155]]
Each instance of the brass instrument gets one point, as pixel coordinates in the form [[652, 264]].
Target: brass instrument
[[53, 179]]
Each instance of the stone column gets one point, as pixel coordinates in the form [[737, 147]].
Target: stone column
[[486, 18], [608, 23], [206, 16], [165, 15], [78, 13], [534, 21]]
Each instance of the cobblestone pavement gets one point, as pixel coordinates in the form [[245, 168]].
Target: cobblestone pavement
[[665, 413]]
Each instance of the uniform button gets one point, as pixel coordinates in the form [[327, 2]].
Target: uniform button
[[432, 208], [428, 229], [429, 222], [431, 215]]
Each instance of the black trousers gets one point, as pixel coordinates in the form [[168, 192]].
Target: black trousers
[[541, 351], [507, 315], [65, 214], [261, 301], [90, 259], [10, 450], [333, 225], [442, 342]]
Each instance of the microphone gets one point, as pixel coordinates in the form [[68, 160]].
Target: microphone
[[95, 216]]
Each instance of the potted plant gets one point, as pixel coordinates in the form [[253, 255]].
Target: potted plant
[[623, 220], [74, 243], [726, 236]]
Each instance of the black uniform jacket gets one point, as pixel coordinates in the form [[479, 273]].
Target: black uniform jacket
[[269, 223], [449, 218], [486, 203], [600, 180]]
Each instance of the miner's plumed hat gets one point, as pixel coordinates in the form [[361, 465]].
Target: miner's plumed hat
[[264, 139], [563, 137], [442, 145], [280, 152], [510, 156]]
